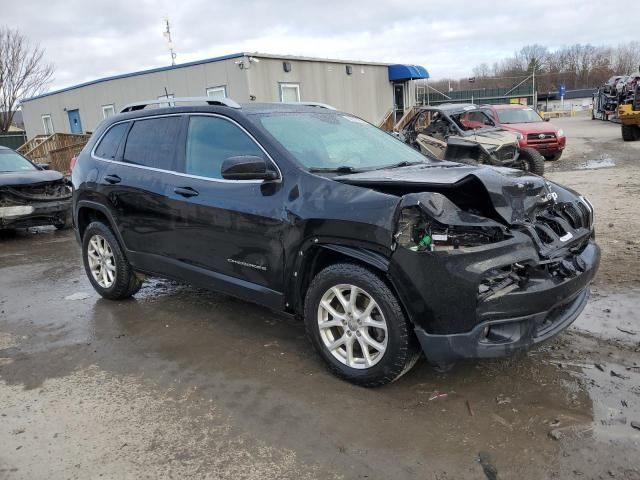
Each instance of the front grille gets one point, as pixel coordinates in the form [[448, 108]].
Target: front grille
[[46, 192], [546, 136], [559, 226], [506, 153], [577, 214], [541, 138], [586, 214]]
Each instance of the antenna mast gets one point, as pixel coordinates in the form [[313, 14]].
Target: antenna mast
[[167, 37]]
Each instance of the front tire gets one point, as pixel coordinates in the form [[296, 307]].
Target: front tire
[[105, 264], [630, 133], [356, 324], [531, 161]]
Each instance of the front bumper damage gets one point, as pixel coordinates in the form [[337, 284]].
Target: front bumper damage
[[22, 208], [492, 299], [516, 320]]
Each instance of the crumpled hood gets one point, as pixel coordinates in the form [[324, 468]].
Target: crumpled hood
[[34, 177], [514, 194], [495, 137]]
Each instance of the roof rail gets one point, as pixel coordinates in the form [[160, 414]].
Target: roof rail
[[317, 104], [226, 102]]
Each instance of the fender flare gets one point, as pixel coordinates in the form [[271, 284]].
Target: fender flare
[[364, 255], [360, 253], [102, 209]]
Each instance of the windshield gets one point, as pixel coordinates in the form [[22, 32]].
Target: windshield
[[472, 120], [333, 141], [11, 161], [518, 115]]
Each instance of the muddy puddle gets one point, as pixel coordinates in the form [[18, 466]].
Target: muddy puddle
[[612, 315], [603, 162]]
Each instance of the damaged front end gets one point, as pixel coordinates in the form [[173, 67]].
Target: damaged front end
[[507, 272], [35, 204]]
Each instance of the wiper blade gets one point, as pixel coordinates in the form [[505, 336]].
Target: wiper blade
[[400, 164], [341, 169]]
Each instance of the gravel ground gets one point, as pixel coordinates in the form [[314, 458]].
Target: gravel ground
[[185, 383]]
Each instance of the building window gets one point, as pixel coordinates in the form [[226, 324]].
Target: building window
[[166, 97], [289, 93], [47, 123], [217, 92], [108, 110], [349, 69]]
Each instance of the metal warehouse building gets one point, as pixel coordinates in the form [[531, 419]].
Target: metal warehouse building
[[372, 91]]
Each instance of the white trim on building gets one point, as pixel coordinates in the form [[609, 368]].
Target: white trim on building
[[47, 124], [290, 92], [218, 92], [108, 110]]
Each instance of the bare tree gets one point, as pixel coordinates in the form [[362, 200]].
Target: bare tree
[[577, 66], [627, 58], [533, 56], [23, 72]]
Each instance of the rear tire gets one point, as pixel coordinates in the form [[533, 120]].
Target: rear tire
[[531, 161], [380, 328], [630, 133], [106, 266], [553, 158]]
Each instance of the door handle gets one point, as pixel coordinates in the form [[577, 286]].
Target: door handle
[[112, 179], [186, 191]]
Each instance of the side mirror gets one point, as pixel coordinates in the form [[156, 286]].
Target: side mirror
[[247, 167], [42, 166], [546, 119]]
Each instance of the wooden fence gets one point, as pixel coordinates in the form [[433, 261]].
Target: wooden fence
[[55, 150]]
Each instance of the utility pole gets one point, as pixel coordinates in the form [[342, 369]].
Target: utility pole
[[167, 37], [533, 87]]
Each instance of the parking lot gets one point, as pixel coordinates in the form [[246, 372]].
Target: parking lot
[[185, 383]]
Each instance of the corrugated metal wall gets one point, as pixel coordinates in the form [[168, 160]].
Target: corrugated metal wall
[[365, 92]]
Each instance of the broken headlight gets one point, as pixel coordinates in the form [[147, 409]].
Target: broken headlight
[[417, 231]]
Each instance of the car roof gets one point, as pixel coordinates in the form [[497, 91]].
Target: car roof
[[450, 107], [283, 107], [504, 106], [244, 109]]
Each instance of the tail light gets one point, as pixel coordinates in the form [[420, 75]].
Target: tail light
[[72, 163]]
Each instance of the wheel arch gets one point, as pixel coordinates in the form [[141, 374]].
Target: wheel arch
[[319, 256], [87, 212]]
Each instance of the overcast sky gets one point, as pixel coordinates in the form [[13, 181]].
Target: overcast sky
[[87, 40]]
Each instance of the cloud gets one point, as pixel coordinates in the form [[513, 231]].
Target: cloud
[[88, 40]]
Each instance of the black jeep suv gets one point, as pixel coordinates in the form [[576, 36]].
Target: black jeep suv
[[301, 208]]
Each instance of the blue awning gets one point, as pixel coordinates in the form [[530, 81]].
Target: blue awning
[[401, 72]]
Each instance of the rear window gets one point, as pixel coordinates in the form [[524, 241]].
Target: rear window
[[108, 146], [152, 143]]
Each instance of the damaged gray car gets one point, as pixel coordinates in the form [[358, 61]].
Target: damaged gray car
[[31, 195]]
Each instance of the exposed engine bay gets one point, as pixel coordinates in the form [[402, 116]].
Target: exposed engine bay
[[46, 203]]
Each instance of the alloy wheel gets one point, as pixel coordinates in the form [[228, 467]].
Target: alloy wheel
[[101, 261], [352, 326]]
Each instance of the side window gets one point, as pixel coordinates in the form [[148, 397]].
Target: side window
[[108, 146], [210, 141], [152, 143]]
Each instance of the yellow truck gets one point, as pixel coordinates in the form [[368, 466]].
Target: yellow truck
[[629, 115]]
